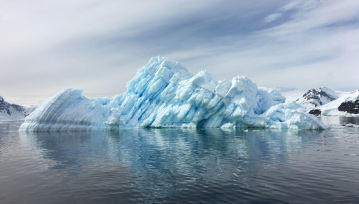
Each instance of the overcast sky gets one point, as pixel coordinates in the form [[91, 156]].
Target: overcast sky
[[98, 45]]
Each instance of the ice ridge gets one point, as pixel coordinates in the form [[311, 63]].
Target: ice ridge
[[165, 94]]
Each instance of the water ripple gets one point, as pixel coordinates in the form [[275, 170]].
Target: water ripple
[[179, 166]]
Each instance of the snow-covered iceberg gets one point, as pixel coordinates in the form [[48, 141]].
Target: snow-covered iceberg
[[165, 94]]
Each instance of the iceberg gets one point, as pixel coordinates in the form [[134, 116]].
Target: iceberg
[[165, 94]]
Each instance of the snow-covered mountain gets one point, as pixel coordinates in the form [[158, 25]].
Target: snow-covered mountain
[[350, 106], [12, 112], [326, 102], [165, 94], [317, 97], [347, 104]]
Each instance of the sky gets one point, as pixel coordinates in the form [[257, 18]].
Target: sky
[[98, 45]]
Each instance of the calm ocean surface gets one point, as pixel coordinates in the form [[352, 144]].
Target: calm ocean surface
[[180, 166]]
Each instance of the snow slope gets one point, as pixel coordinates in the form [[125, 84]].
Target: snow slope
[[317, 97], [291, 94], [333, 108], [12, 112], [326, 102], [165, 94]]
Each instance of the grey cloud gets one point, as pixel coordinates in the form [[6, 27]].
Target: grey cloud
[[98, 45]]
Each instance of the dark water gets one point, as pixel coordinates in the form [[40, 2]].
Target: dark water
[[180, 166]]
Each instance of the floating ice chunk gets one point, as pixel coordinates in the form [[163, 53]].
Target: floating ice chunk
[[68, 110], [291, 116]]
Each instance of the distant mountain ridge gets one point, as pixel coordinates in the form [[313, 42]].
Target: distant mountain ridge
[[317, 97], [325, 101]]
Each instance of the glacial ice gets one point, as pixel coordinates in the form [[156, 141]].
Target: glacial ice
[[165, 94]]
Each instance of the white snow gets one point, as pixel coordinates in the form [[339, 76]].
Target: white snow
[[12, 112], [165, 94], [13, 116], [331, 109], [329, 106], [317, 97], [291, 94]]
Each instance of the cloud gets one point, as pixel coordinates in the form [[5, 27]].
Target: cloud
[[289, 6], [272, 17], [98, 45]]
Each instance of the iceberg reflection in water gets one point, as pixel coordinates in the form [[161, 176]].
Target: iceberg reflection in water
[[178, 165]]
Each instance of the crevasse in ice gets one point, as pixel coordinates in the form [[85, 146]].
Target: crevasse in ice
[[165, 94]]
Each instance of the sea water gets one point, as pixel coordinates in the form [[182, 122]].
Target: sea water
[[180, 166]]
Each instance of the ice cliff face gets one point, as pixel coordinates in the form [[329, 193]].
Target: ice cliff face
[[165, 94]]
